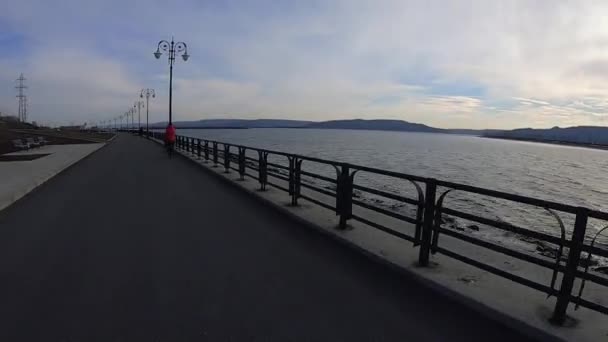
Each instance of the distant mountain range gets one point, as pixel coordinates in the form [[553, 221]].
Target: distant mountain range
[[236, 123], [357, 124], [587, 135], [376, 125], [583, 135]]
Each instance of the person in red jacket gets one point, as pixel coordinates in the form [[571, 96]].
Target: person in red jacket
[[170, 136]]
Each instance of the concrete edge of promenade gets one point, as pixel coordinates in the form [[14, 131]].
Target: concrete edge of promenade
[[499, 299], [21, 184]]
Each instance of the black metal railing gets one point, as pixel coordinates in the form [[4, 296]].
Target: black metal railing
[[574, 250]]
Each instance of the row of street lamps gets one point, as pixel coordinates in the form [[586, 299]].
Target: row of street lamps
[[130, 114], [171, 48]]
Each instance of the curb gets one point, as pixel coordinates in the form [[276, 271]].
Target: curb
[[486, 311], [46, 179]]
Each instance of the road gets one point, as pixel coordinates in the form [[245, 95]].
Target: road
[[129, 245]]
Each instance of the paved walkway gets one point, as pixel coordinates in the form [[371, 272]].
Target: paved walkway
[[17, 178], [129, 245]]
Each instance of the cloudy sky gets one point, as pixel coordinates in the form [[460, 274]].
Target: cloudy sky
[[476, 64]]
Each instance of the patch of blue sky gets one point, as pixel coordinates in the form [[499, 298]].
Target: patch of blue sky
[[13, 43], [389, 100], [456, 89], [435, 84]]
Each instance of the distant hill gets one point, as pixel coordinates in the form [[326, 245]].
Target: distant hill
[[394, 125], [356, 124], [586, 135], [480, 132], [376, 125], [237, 123]]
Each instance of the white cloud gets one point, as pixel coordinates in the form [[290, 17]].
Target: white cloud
[[76, 86]]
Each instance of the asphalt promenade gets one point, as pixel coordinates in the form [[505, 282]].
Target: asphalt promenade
[[129, 245]]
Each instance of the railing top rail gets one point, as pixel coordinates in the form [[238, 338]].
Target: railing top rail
[[319, 160], [508, 196], [389, 173], [601, 215]]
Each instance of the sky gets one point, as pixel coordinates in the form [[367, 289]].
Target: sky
[[448, 64]]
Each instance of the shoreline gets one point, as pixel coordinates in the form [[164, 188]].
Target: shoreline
[[551, 142]]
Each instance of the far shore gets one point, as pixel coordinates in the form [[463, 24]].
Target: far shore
[[552, 142]]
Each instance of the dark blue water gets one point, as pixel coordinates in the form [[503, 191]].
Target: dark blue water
[[572, 175]]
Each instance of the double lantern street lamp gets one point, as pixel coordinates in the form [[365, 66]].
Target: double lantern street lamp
[[132, 113], [138, 104], [171, 48], [147, 93]]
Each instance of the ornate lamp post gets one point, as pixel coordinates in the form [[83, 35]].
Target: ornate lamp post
[[132, 113], [147, 93], [171, 48], [139, 104]]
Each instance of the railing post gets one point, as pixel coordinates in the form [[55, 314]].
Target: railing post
[[215, 160], [344, 196], [291, 176], [297, 182], [242, 162], [574, 257], [427, 226], [262, 169], [294, 179], [198, 148], [206, 150], [226, 158]]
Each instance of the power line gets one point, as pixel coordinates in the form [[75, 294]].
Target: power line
[[22, 113]]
